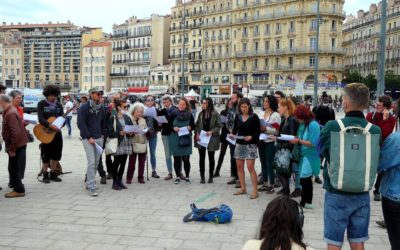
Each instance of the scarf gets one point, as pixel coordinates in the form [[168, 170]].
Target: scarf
[[183, 115], [52, 105], [94, 108]]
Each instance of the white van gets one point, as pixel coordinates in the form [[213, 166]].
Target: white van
[[31, 99]]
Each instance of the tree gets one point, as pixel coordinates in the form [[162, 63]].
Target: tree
[[353, 76], [371, 82], [392, 81]]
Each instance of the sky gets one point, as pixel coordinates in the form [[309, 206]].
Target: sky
[[100, 13]]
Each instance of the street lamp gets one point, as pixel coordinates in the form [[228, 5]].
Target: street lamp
[[91, 66], [183, 48], [317, 57], [382, 47]]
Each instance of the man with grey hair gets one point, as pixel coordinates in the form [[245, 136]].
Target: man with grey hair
[[15, 138], [166, 130]]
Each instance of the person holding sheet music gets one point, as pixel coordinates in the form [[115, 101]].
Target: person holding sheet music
[[181, 142], [224, 133], [246, 130], [115, 128], [208, 121], [270, 122], [150, 114], [139, 144], [51, 153]]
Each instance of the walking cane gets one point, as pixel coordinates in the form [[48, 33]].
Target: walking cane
[[147, 163]]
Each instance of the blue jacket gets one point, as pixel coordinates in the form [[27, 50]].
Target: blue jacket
[[389, 164], [91, 122]]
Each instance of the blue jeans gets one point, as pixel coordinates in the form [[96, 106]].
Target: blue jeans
[[346, 212], [296, 174], [68, 123], [167, 151], [93, 158], [153, 146]]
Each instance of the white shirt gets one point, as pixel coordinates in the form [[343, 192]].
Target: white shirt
[[68, 106]]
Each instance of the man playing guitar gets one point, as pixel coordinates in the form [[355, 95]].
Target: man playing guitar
[[51, 153]]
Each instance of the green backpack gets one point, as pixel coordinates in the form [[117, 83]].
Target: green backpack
[[354, 158]]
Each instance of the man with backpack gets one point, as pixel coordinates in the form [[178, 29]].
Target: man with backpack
[[323, 114], [351, 147], [386, 122]]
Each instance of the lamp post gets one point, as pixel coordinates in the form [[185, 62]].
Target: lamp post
[[315, 102], [382, 47], [91, 66], [183, 49]]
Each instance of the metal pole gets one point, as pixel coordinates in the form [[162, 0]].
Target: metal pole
[[382, 52], [91, 67], [315, 101], [183, 49]]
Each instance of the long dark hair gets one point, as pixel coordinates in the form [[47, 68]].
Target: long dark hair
[[280, 225], [273, 103], [210, 107], [245, 101]]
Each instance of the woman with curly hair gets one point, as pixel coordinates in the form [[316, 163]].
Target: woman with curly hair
[[281, 227]]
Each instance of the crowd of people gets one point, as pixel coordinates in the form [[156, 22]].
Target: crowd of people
[[291, 141]]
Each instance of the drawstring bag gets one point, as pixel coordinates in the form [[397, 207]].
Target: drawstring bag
[[219, 215]]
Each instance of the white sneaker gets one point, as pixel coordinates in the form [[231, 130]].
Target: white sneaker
[[93, 193]]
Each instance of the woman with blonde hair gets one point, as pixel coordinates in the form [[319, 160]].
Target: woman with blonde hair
[[139, 147]]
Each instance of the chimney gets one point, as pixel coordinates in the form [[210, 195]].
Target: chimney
[[373, 9], [360, 14]]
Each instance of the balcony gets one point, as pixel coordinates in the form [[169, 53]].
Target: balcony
[[140, 34], [278, 32], [292, 30], [119, 74], [119, 61], [120, 34], [195, 71], [256, 34], [138, 61], [220, 38]]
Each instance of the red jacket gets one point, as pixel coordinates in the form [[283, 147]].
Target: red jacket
[[387, 126]]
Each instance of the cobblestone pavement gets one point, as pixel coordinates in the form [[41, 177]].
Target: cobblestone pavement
[[149, 216]]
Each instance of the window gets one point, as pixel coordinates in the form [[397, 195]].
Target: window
[[291, 44], [312, 61], [333, 42], [333, 60], [290, 62], [314, 25], [291, 26], [278, 44], [313, 43], [333, 25]]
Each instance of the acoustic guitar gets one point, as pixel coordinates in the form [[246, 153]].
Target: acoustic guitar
[[46, 135]]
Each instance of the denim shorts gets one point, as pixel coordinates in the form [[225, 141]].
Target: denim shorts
[[346, 212]]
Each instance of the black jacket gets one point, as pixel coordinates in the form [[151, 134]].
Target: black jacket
[[167, 128], [289, 126], [115, 133]]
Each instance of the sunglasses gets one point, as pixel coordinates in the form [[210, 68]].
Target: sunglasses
[[125, 107], [98, 93], [150, 100]]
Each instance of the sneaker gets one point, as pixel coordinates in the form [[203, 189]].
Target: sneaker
[[141, 181], [188, 181], [121, 185], [14, 194], [203, 181], [116, 187], [177, 181], [210, 180], [182, 177], [263, 188], [377, 196], [93, 193], [308, 206], [128, 181], [381, 223], [232, 181], [318, 180], [103, 180], [296, 193], [169, 177], [270, 190], [155, 175]]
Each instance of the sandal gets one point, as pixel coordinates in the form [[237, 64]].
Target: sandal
[[253, 196], [240, 192]]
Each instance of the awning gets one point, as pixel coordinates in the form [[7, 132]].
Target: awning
[[138, 90]]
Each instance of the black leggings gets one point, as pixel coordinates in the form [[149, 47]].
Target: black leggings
[[306, 191], [178, 165], [118, 167], [211, 160], [285, 183], [221, 157], [53, 150]]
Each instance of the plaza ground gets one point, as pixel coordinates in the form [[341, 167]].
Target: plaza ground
[[149, 216]]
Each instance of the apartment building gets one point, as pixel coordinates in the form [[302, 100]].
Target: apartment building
[[361, 39], [1, 62], [96, 66], [12, 59], [51, 52], [139, 45], [261, 43]]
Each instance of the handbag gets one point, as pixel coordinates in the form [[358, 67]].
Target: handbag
[[219, 215], [282, 161], [139, 148], [112, 143], [185, 141]]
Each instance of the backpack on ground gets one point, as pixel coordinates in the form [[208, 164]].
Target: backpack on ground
[[219, 215], [354, 157]]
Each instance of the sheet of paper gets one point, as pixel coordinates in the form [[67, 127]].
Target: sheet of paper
[[239, 137], [263, 137], [139, 130], [99, 149], [224, 119], [284, 137], [59, 122], [204, 139], [161, 119], [32, 119], [150, 111], [263, 122], [183, 131], [129, 129], [231, 141]]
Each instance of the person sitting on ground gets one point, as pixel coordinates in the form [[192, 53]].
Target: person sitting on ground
[[281, 227]]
